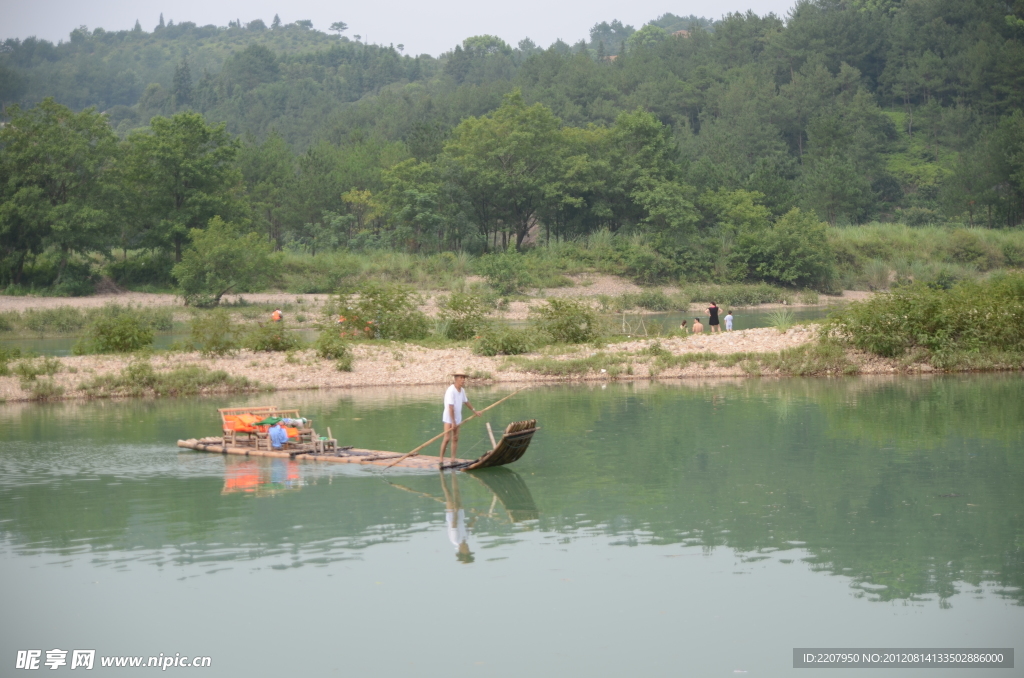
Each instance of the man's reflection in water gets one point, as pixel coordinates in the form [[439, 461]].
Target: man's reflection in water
[[455, 517]]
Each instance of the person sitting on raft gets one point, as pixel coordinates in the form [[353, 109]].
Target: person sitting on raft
[[278, 435]]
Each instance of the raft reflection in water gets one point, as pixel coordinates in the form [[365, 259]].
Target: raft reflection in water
[[262, 480]]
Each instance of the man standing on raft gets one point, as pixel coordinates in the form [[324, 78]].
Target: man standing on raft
[[454, 398]]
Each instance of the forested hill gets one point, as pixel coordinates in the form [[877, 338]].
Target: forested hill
[[857, 110]]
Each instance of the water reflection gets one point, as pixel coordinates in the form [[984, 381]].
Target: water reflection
[[251, 477], [907, 487], [508, 491]]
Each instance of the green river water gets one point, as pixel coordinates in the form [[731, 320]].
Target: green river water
[[665, 529]]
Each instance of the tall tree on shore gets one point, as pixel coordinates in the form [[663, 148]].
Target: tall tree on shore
[[53, 166], [181, 173], [508, 159]]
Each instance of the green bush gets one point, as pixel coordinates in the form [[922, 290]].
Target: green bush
[[506, 272], [45, 389], [566, 321], [647, 267], [504, 340], [384, 311], [124, 333], [782, 319], [77, 279], [27, 370], [968, 248], [1013, 254], [271, 337], [465, 314], [918, 216], [63, 319], [971, 316], [794, 252], [652, 300], [214, 333], [139, 378], [344, 363], [6, 356], [331, 346]]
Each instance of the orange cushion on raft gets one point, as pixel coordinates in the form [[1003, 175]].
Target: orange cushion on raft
[[242, 423]]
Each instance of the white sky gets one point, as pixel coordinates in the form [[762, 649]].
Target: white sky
[[423, 27]]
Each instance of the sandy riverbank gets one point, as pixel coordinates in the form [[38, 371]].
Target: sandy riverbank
[[398, 364]]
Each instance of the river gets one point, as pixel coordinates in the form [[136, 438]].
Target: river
[[660, 529]]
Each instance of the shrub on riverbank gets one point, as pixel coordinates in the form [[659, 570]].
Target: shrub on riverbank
[[651, 300], [383, 311], [6, 356], [504, 340], [119, 333], [69, 320], [331, 346], [566, 321], [972, 323], [507, 272], [214, 333], [464, 314], [271, 337], [27, 370], [140, 379]]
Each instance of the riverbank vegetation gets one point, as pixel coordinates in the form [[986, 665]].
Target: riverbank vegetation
[[745, 150], [970, 326], [140, 379]]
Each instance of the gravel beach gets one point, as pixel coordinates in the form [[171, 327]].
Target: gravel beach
[[400, 364]]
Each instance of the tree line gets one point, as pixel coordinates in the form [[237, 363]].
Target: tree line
[[696, 134]]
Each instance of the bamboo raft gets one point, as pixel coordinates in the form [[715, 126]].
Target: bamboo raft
[[511, 447]]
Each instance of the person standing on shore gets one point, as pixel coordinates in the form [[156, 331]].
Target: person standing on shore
[[713, 320], [454, 398], [728, 321]]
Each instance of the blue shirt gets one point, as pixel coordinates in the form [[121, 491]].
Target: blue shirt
[[278, 436]]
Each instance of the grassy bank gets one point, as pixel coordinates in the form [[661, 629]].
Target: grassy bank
[[877, 256]]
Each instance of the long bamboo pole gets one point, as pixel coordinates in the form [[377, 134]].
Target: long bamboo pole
[[439, 435]]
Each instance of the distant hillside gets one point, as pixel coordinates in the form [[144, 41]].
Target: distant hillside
[[695, 133]]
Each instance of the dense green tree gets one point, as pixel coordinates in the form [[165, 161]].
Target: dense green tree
[[269, 173], [179, 174], [224, 258], [53, 168], [506, 160]]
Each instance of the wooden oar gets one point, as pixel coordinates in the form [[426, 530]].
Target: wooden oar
[[439, 435]]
